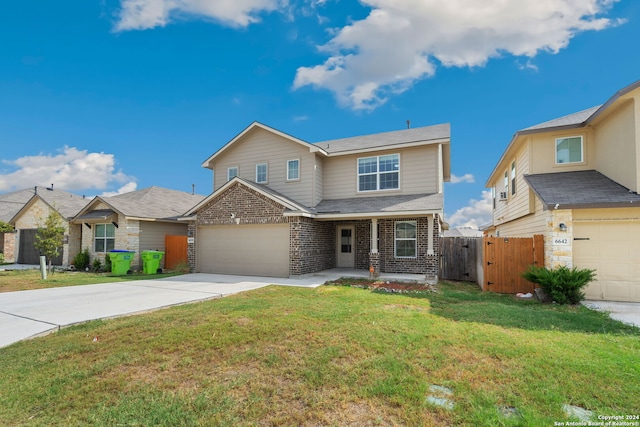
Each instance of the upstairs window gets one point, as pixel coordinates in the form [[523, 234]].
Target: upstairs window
[[569, 150], [104, 237], [261, 173], [379, 173], [232, 173], [293, 170]]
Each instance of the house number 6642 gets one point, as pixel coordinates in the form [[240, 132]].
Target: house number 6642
[[560, 241]]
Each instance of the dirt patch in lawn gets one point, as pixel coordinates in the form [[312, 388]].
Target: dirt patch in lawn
[[384, 286]]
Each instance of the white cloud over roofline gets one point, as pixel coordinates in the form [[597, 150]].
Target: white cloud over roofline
[[476, 214], [71, 169]]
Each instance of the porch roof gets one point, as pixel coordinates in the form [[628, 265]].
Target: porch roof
[[400, 205], [580, 189]]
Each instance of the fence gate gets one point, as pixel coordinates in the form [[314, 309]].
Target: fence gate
[[506, 258], [459, 258], [175, 251]]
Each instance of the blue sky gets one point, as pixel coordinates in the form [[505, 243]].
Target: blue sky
[[106, 96]]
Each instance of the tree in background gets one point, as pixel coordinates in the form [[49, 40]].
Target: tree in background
[[49, 237], [5, 227]]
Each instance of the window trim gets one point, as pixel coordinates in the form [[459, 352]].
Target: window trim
[[377, 173], [558, 140], [396, 239], [229, 177], [513, 178], [104, 238], [266, 173], [297, 178]]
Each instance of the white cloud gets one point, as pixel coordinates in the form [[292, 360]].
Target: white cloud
[[401, 42], [476, 214], [127, 188], [71, 170], [467, 177], [145, 14]]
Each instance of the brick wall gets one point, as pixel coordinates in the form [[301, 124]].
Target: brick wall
[[312, 246], [240, 205], [422, 263]]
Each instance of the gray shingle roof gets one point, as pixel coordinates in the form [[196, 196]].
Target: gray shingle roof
[[378, 140], [570, 120], [384, 204], [580, 189], [67, 204], [154, 203]]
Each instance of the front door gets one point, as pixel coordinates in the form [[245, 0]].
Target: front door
[[345, 256]]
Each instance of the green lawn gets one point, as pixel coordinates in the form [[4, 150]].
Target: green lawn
[[22, 280], [335, 355]]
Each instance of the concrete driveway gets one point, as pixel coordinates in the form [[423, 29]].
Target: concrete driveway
[[26, 314]]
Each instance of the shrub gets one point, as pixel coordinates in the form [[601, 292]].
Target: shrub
[[564, 285], [81, 261], [1, 258], [97, 265], [107, 263]]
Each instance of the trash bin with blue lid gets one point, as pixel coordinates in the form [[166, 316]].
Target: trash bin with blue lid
[[151, 262], [121, 262]]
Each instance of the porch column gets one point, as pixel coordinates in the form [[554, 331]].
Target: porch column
[[430, 235], [374, 255]]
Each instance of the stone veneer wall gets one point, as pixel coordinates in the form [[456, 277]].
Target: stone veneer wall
[[9, 246], [423, 263], [558, 245]]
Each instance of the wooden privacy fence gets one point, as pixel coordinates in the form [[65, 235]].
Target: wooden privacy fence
[[175, 251], [506, 258], [494, 263], [461, 258]]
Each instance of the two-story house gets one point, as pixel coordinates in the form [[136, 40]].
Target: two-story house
[[575, 180], [285, 207]]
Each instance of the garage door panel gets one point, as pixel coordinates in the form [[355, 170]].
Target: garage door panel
[[613, 250], [255, 250]]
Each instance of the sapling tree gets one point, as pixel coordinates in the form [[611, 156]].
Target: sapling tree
[[50, 237]]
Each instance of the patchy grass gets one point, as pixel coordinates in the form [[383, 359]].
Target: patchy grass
[[335, 355], [23, 280]]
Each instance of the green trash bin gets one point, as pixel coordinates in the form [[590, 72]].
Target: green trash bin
[[121, 262], [151, 262]]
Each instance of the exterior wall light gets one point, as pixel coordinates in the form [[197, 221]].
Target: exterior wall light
[[563, 226]]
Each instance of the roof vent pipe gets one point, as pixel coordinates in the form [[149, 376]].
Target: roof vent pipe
[[408, 124]]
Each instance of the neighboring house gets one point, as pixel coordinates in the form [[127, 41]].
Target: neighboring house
[[135, 221], [27, 210], [463, 232], [575, 180], [285, 207]]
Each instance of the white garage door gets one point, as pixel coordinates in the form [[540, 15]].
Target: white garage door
[[254, 250], [613, 250]]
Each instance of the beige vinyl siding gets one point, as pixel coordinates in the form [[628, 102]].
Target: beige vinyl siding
[[616, 151], [419, 171], [319, 179], [152, 234], [543, 152], [522, 203], [260, 146], [528, 225]]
